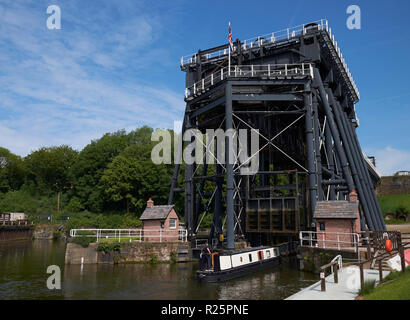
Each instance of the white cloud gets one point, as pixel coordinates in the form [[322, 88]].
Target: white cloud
[[72, 85], [390, 160]]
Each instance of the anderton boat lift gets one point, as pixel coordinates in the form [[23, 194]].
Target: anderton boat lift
[[295, 88]]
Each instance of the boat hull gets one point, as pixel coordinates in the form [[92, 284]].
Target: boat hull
[[224, 275]]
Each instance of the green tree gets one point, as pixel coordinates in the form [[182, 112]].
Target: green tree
[[50, 168], [132, 177], [12, 171], [90, 166]]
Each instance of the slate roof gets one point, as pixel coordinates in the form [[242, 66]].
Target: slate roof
[[336, 209], [156, 212]]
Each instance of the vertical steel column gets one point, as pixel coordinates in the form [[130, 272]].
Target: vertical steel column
[[230, 232], [199, 197], [189, 171], [330, 159], [318, 162], [310, 149], [217, 217]]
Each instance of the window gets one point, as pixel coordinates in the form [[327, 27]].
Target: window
[[322, 226], [250, 257], [172, 223], [267, 254], [162, 224]]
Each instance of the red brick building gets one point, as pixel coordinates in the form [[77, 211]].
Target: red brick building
[[336, 221], [160, 223]]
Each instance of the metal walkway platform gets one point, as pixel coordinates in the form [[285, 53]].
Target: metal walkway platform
[[346, 289]]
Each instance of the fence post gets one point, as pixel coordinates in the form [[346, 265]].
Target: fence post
[[402, 257], [322, 281], [380, 270], [361, 275], [335, 275], [119, 235], [369, 252]]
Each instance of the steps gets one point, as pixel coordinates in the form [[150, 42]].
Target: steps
[[375, 264]]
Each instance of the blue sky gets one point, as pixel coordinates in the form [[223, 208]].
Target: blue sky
[[115, 64]]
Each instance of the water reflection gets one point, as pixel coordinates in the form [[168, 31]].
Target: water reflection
[[23, 276]]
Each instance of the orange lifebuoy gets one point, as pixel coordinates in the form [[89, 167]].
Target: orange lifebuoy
[[389, 245]]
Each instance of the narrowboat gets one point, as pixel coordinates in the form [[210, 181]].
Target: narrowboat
[[230, 264]]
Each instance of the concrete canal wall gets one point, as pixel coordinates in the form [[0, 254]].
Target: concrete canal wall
[[128, 253]]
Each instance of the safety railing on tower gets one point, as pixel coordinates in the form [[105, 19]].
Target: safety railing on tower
[[247, 71], [283, 36]]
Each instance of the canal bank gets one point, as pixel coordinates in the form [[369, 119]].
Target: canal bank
[[132, 252]]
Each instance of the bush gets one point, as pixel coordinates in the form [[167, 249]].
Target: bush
[[108, 247], [154, 258], [83, 240]]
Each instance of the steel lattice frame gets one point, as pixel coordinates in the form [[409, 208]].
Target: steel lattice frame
[[306, 123]]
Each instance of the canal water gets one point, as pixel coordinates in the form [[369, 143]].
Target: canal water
[[23, 275]]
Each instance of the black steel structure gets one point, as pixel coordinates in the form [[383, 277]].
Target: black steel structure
[[295, 88]]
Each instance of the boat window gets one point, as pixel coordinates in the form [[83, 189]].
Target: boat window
[[250, 257], [267, 254], [240, 259]]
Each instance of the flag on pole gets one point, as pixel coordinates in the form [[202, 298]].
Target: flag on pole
[[230, 38]]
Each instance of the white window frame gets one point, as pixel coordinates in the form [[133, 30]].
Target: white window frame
[[170, 224]]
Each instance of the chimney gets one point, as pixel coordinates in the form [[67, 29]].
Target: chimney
[[150, 203], [353, 196]]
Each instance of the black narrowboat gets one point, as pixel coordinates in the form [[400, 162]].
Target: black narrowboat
[[230, 264]]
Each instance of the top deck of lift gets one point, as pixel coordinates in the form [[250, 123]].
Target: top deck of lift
[[257, 46]]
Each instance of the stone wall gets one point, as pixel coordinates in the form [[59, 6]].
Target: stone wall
[[129, 252], [44, 231], [311, 259], [393, 185]]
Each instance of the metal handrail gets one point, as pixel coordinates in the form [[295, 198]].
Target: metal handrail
[[270, 38], [238, 71], [313, 237], [139, 234], [286, 35], [339, 260]]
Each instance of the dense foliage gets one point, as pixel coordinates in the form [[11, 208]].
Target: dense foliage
[[105, 185]]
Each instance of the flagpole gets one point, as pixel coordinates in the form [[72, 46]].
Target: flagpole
[[229, 63], [229, 55]]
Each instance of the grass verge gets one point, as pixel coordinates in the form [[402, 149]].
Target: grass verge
[[396, 286]]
